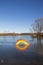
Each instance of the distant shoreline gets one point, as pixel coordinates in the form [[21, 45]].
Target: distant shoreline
[[22, 34]]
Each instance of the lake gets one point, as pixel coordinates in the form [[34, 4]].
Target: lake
[[9, 55]]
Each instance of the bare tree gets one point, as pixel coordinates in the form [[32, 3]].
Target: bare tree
[[37, 27]]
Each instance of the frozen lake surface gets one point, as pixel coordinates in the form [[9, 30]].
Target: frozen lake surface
[[9, 55]]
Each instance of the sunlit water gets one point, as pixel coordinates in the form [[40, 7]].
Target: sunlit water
[[8, 49]]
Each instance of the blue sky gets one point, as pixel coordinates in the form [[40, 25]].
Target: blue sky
[[18, 15]]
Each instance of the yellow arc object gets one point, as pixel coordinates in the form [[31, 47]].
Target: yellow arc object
[[25, 44]]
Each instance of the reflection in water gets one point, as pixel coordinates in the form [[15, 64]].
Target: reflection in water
[[10, 55]]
